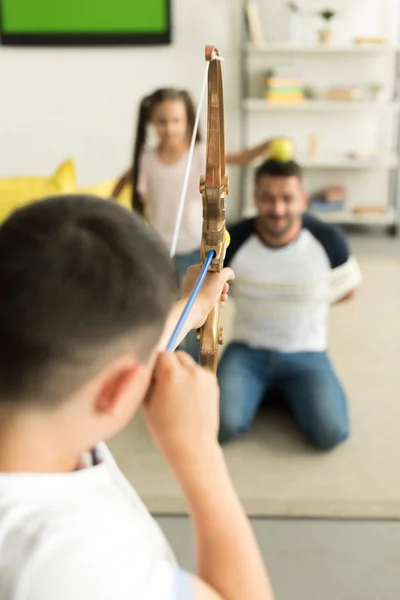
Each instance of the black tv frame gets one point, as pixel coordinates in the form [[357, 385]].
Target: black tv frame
[[22, 38]]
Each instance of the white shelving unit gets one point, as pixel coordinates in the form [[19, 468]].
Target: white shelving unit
[[260, 105], [349, 126], [351, 218], [340, 162], [289, 48]]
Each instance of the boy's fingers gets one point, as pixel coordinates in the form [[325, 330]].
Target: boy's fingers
[[169, 363], [165, 364], [193, 271], [185, 360], [227, 274], [222, 278]]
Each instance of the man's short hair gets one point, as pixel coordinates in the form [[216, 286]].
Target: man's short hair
[[276, 168], [82, 280]]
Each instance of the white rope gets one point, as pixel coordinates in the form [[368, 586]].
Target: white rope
[[181, 205], [188, 165]]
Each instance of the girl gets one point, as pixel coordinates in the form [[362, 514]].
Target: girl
[[157, 175]]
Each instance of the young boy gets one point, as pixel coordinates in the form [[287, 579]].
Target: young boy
[[86, 308]]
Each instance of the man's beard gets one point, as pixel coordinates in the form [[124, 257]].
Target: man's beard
[[286, 226]]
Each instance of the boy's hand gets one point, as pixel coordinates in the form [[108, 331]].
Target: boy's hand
[[182, 409], [214, 288]]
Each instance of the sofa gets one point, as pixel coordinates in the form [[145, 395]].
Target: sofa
[[16, 192]]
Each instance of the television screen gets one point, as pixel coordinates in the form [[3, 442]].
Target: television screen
[[85, 22]]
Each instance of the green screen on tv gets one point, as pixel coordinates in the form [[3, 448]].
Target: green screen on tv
[[85, 21]]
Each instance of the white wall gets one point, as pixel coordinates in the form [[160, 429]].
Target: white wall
[[81, 103]]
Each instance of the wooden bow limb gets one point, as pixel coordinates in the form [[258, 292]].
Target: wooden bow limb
[[214, 189]]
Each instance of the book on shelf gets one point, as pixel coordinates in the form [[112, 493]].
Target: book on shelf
[[370, 210], [344, 93], [330, 199], [284, 89], [370, 41], [325, 207], [334, 193], [253, 22]]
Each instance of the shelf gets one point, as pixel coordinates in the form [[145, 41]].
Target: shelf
[[282, 47], [345, 217], [341, 162], [261, 105], [351, 218]]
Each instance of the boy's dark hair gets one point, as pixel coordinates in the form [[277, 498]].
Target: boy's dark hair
[[82, 280], [276, 168]]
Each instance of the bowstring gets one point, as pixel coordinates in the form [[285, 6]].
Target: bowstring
[[182, 199]]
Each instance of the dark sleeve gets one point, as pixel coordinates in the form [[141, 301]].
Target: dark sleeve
[[239, 233], [332, 238]]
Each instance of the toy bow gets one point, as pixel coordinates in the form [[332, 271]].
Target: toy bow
[[214, 189]]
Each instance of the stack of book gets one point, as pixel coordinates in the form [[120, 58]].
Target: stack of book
[[284, 89], [331, 199]]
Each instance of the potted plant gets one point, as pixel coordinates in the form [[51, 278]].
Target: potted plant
[[375, 91], [325, 34]]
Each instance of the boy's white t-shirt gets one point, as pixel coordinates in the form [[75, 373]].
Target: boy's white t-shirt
[[82, 536], [161, 184]]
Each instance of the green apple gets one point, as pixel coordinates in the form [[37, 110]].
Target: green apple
[[281, 149]]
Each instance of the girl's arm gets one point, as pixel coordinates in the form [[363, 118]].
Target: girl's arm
[[245, 157], [242, 158]]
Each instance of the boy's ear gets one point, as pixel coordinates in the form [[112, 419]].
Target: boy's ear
[[306, 199], [120, 380]]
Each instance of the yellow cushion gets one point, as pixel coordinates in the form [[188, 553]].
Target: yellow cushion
[[16, 192], [125, 197], [104, 190]]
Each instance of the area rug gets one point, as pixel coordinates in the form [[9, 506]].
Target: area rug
[[274, 471]]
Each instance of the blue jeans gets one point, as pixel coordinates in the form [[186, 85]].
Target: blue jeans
[[183, 262], [305, 380]]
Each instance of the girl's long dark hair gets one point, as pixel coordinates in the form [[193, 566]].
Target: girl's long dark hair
[[146, 108]]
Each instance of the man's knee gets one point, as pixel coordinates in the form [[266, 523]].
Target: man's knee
[[228, 431], [231, 427], [329, 436]]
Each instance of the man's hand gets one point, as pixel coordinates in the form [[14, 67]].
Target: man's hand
[[214, 288], [181, 409], [349, 296]]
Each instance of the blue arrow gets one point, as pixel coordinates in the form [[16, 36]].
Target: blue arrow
[[200, 280]]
